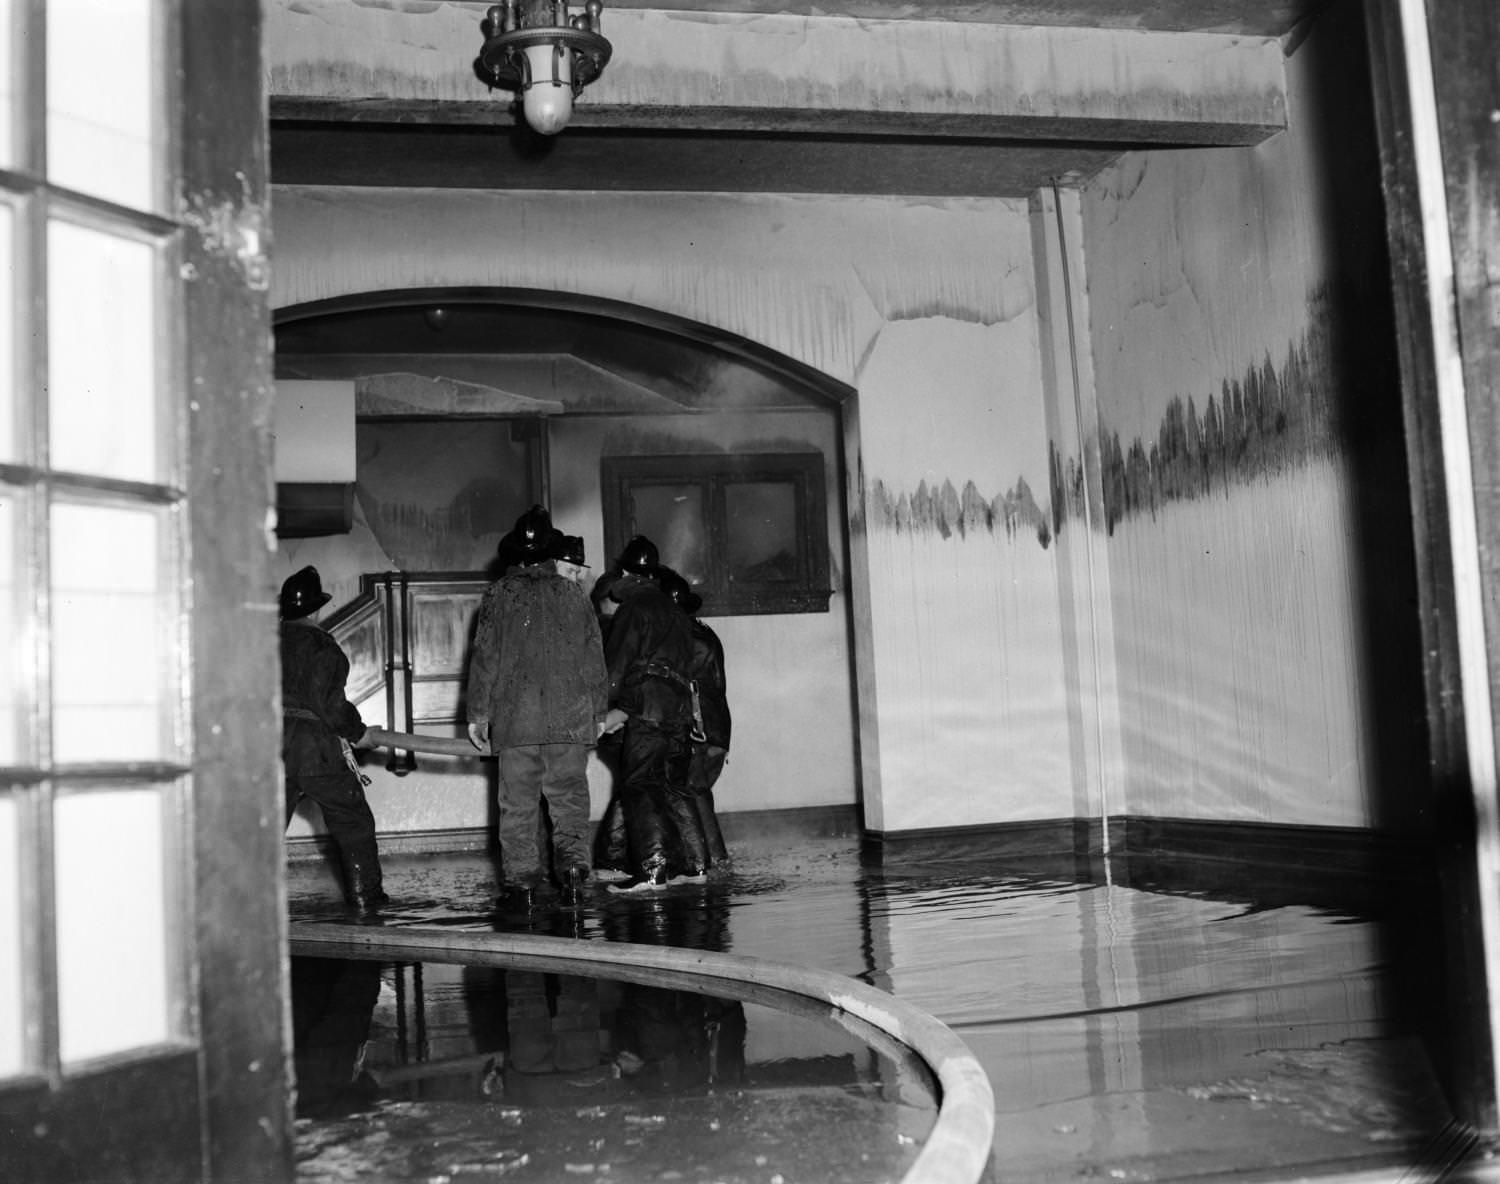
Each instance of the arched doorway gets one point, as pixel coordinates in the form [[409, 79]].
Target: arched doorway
[[466, 405]]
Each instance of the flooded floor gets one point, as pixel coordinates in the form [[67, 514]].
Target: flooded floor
[[1128, 1033]]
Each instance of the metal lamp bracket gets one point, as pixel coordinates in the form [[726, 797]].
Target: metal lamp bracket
[[503, 56]]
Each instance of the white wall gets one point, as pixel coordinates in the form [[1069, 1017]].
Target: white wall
[[1265, 624]]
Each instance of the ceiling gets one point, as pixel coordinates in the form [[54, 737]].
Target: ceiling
[[569, 354], [424, 150], [1257, 18]]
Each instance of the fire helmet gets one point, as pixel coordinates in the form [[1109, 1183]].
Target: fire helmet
[[302, 594], [676, 586], [640, 557], [532, 539], [569, 549]]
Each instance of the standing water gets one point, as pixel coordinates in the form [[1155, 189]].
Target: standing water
[[1127, 1033]]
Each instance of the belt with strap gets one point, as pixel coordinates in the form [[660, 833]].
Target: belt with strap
[[345, 748], [663, 671]]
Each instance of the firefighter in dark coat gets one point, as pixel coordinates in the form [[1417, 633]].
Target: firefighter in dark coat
[[320, 728], [649, 652], [711, 719], [536, 700]]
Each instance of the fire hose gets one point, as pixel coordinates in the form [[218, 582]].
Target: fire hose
[[417, 742]]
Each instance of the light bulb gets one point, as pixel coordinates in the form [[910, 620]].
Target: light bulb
[[548, 104]]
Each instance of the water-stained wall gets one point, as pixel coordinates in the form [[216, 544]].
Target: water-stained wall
[[927, 309], [965, 642], [1244, 597], [1259, 536]]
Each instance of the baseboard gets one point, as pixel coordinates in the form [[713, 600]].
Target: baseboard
[[812, 822], [1275, 863], [739, 826], [1059, 848], [1346, 849], [1047, 836], [416, 842], [1267, 862], [1271, 863]]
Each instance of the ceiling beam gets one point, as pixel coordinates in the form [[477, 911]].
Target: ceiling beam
[[390, 62]]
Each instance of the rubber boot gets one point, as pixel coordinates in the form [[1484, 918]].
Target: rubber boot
[[363, 882], [653, 875], [611, 844], [683, 811], [518, 898], [575, 886], [713, 837]]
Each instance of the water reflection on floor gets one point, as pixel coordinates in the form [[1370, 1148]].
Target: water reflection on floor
[[425, 1071], [1128, 1034]]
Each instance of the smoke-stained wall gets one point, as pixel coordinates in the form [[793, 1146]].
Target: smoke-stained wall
[[1259, 535], [965, 632], [789, 674]]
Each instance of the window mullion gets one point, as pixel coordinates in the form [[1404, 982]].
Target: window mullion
[[39, 932], [32, 564], [718, 535], [29, 65]]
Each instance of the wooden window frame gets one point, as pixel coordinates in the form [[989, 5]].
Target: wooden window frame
[[37, 780], [713, 473], [209, 1100]]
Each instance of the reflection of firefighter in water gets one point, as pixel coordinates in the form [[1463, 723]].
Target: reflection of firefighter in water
[[670, 1040], [553, 1054], [570, 1040], [679, 1041], [333, 1000]]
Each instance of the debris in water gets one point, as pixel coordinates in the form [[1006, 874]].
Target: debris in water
[[504, 1162]]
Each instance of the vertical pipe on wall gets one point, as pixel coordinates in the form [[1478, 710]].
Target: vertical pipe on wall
[[409, 762], [393, 761], [1463, 530], [1088, 526]]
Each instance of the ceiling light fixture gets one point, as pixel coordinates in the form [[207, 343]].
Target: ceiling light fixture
[[535, 47]]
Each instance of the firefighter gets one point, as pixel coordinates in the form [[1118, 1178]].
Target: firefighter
[[536, 701], [320, 729], [711, 719], [649, 652]]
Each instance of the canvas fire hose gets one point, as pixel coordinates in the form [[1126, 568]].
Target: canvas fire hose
[[416, 742]]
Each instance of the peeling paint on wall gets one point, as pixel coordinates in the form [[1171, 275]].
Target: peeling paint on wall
[[232, 230], [778, 270], [947, 513]]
